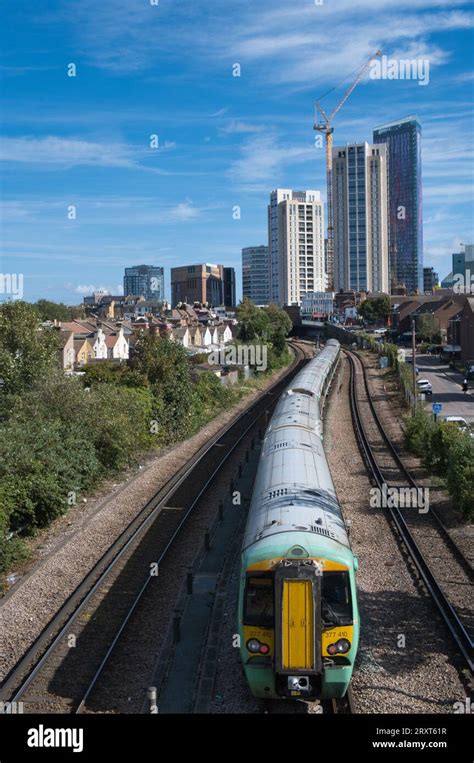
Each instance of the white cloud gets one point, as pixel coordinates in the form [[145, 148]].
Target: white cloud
[[89, 289], [465, 77], [262, 160], [59, 152], [300, 42], [184, 211], [86, 289], [64, 152], [448, 190], [236, 126]]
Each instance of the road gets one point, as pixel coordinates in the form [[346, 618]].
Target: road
[[446, 388]]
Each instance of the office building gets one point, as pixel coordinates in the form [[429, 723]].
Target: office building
[[229, 291], [144, 281], [403, 141], [463, 270], [463, 261], [296, 245], [256, 274], [317, 305], [430, 280], [360, 213], [198, 283]]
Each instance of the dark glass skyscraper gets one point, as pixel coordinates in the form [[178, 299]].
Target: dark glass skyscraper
[[229, 290], [144, 280], [403, 139], [255, 274]]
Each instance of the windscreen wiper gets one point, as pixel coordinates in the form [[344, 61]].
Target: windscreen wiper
[[335, 619]]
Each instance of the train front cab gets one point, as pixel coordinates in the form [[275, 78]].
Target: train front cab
[[299, 623]]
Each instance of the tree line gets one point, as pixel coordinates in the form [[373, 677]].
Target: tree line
[[61, 434]]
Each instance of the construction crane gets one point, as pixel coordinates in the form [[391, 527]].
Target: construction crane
[[325, 126]]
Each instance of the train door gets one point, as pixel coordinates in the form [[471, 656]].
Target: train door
[[297, 632], [298, 660]]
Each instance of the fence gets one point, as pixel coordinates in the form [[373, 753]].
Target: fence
[[365, 342]]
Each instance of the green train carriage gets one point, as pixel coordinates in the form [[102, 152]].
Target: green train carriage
[[298, 616]]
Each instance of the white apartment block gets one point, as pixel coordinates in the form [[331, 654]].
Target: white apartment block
[[360, 212], [296, 245]]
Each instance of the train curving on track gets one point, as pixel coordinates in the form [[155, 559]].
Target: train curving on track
[[298, 618]]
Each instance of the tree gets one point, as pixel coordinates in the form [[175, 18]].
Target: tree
[[57, 311], [427, 328], [27, 352], [253, 321], [165, 365], [375, 309], [111, 372], [279, 326]]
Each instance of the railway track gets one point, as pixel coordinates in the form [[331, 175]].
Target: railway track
[[192, 674], [63, 666], [445, 571], [344, 706]]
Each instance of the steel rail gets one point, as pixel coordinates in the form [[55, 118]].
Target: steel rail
[[77, 601], [456, 628]]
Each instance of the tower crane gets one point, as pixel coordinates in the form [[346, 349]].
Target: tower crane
[[325, 127]]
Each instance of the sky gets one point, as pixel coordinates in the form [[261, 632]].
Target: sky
[[85, 192]]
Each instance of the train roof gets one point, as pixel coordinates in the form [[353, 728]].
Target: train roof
[[293, 495], [294, 490], [310, 380]]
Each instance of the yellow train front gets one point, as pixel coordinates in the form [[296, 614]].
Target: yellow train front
[[298, 617]]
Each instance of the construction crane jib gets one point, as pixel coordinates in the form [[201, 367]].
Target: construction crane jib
[[325, 127]]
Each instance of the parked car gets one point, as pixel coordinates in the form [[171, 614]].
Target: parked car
[[460, 423], [424, 386]]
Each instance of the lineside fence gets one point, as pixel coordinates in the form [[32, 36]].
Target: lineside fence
[[363, 341]]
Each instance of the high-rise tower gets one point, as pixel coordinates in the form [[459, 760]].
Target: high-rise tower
[[360, 212], [403, 141], [296, 245]]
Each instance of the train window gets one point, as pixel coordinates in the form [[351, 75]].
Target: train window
[[306, 392], [259, 601], [336, 599]]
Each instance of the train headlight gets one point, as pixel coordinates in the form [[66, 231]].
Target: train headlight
[[340, 647], [343, 645], [253, 645]]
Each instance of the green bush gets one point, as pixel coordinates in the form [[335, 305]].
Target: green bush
[[419, 431], [111, 372], [209, 398], [447, 451], [460, 473], [120, 424], [43, 463]]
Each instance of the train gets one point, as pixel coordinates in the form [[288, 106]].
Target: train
[[298, 620]]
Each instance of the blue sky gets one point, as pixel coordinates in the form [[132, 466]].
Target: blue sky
[[224, 141]]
